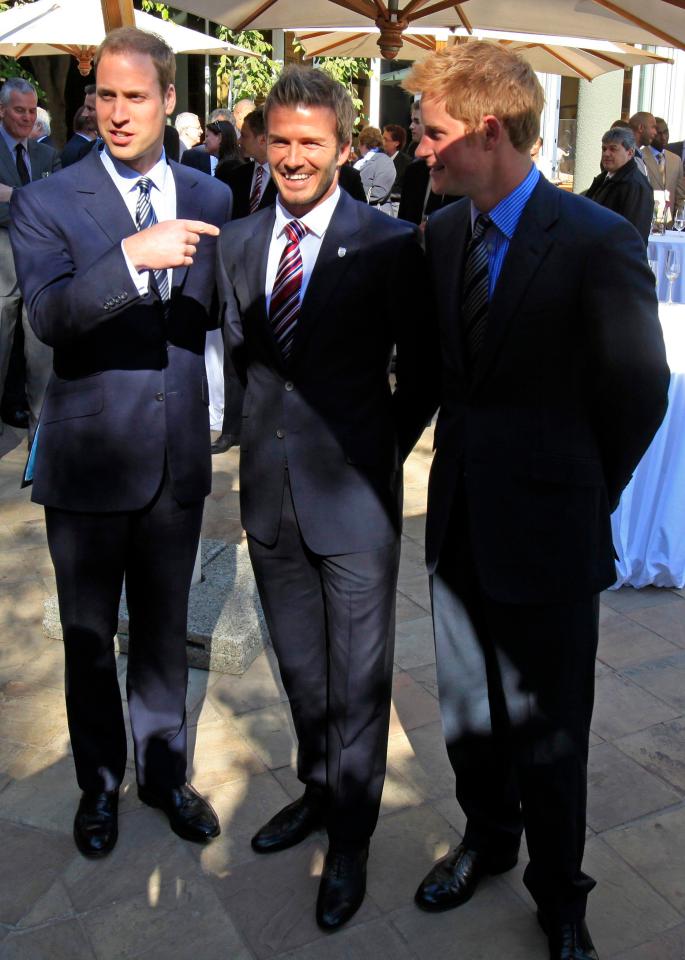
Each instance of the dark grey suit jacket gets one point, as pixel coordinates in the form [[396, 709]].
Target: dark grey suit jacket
[[329, 411], [44, 160], [538, 441]]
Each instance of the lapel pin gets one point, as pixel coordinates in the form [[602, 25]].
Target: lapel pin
[[341, 251]]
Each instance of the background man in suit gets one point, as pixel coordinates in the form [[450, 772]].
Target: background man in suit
[[241, 110], [189, 130], [620, 186], [85, 130], [41, 128], [664, 169], [643, 125], [21, 161], [321, 447], [678, 147], [394, 139], [198, 157], [117, 269], [554, 381]]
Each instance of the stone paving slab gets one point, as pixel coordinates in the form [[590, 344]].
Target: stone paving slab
[[158, 898]]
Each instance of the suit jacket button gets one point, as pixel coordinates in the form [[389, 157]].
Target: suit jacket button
[[159, 396], [289, 385], [280, 433]]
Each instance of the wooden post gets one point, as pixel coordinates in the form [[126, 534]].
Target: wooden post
[[117, 13]]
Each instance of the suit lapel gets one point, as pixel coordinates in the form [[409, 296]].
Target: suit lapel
[[188, 206], [338, 251], [8, 166], [526, 253], [450, 278], [102, 200], [255, 263]]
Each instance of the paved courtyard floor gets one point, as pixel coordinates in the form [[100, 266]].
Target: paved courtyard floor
[[158, 898]]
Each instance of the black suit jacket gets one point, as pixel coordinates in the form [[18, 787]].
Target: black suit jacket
[[402, 161], [240, 182], [677, 148], [628, 193], [413, 197], [198, 159], [129, 389], [567, 392], [329, 412], [75, 149]]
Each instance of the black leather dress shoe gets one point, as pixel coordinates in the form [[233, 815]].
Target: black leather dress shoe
[[224, 443], [342, 887], [190, 815], [453, 880], [95, 823], [15, 417], [290, 825], [568, 941]]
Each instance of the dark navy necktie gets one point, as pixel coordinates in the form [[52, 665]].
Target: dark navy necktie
[[474, 301]]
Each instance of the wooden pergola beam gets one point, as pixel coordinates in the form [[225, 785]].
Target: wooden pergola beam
[[117, 13]]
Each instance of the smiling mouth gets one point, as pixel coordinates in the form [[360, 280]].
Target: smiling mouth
[[296, 177]]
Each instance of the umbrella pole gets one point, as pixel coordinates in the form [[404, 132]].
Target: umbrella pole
[[117, 13]]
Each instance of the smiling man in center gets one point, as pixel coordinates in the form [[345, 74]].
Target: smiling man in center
[[314, 297]]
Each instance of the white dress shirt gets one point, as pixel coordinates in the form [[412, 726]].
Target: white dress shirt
[[162, 198], [316, 222]]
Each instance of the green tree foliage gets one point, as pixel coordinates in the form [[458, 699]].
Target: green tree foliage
[[155, 8], [247, 77], [347, 70]]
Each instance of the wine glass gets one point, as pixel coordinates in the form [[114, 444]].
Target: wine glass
[[679, 219], [672, 271]]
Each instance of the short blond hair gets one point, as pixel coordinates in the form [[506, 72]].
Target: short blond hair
[[478, 78]]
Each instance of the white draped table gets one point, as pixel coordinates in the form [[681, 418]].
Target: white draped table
[[656, 250], [649, 525]]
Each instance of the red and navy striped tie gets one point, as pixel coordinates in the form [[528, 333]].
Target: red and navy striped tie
[[285, 296], [474, 301]]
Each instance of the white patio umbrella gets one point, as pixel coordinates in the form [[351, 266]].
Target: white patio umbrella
[[627, 21], [77, 27], [567, 56]]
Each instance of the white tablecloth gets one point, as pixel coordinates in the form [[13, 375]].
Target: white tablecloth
[[214, 363], [649, 525], [656, 250]]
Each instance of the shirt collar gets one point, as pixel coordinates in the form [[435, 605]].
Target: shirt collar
[[657, 153], [10, 141], [506, 214], [126, 178], [316, 221]]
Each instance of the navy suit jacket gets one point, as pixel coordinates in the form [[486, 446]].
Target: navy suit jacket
[[129, 389], [570, 385], [329, 411]]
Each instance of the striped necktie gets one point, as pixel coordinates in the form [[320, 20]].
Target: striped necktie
[[474, 302], [285, 296], [146, 217], [256, 194]]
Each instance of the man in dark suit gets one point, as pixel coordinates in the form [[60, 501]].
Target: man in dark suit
[[311, 330], [85, 130], [620, 186], [554, 380], [116, 261], [394, 139], [41, 128], [251, 184], [21, 161]]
